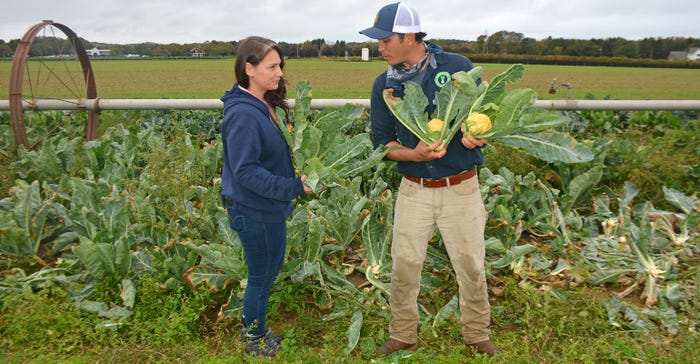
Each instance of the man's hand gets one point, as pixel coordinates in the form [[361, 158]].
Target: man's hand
[[421, 153], [427, 152], [472, 143]]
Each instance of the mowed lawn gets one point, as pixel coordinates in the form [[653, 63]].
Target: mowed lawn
[[333, 79]]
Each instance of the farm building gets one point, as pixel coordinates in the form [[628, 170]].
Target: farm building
[[197, 52], [96, 52], [693, 54]]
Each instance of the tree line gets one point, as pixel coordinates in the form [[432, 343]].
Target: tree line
[[499, 43]]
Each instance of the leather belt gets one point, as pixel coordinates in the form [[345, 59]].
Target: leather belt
[[443, 182]]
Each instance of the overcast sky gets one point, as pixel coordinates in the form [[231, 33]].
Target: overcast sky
[[292, 21]]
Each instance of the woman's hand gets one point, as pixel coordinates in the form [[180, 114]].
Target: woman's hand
[[307, 189]]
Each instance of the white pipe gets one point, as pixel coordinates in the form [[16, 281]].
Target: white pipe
[[214, 104], [626, 105]]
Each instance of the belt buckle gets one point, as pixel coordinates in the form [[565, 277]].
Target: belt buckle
[[426, 182], [433, 182]]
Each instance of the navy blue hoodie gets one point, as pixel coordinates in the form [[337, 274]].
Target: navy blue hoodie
[[258, 172]]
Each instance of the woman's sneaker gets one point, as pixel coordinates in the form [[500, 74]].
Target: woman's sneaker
[[243, 331], [264, 345]]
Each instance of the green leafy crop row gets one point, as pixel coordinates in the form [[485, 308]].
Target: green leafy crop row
[[138, 209]]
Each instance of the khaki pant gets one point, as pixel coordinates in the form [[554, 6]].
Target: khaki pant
[[458, 212]]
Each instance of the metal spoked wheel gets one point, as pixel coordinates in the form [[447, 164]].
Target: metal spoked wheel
[[50, 65]]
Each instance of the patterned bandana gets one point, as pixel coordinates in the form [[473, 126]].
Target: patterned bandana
[[398, 74]]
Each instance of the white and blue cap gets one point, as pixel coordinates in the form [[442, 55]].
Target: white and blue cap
[[394, 19]]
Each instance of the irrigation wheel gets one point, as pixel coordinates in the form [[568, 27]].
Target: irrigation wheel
[[50, 63]]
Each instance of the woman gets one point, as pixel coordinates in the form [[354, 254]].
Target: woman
[[258, 181]]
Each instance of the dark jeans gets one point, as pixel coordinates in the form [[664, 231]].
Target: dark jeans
[[264, 246]]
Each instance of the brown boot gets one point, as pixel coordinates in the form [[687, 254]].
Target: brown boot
[[484, 347], [394, 345]]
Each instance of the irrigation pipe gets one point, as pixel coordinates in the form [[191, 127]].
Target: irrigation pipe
[[99, 104]]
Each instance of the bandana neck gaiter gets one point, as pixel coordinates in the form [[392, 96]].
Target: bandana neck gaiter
[[398, 74]]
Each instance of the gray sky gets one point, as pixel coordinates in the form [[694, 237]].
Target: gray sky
[[292, 21]]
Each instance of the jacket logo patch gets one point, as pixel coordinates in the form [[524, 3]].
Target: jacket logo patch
[[441, 78]]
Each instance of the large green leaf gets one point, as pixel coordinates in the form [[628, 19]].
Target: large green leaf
[[353, 333], [313, 241], [507, 118], [606, 276], [687, 204], [104, 259], [214, 279], [410, 110], [128, 292], [347, 151], [310, 144], [14, 241], [513, 255], [535, 120], [376, 236], [309, 252], [497, 87], [550, 147], [356, 167], [579, 185], [302, 103], [453, 107], [343, 213], [336, 280], [24, 227], [305, 270]]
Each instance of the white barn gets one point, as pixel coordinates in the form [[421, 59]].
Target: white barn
[[693, 54], [95, 52]]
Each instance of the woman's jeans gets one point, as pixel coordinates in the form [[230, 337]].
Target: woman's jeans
[[264, 246]]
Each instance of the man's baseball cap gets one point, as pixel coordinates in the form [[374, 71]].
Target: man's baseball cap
[[393, 19]]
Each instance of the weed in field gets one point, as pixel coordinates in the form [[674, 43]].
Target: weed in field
[[48, 322], [165, 317]]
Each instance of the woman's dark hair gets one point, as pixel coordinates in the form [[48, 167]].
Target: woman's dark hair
[[252, 50]]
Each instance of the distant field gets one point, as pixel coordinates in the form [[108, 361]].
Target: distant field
[[209, 78]]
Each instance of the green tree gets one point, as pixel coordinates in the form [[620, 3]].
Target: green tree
[[318, 45], [308, 49], [5, 50], [338, 48], [116, 50], [216, 48], [505, 42], [530, 46], [553, 46], [481, 43], [627, 49]]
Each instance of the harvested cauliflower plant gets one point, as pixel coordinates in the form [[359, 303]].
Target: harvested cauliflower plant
[[489, 111]]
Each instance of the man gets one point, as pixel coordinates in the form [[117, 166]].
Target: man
[[439, 189]]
